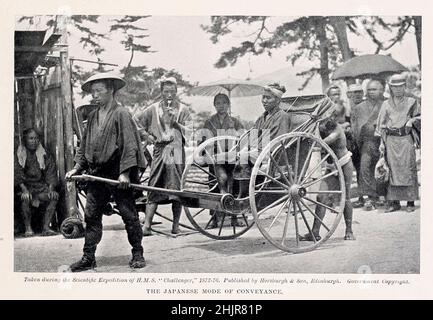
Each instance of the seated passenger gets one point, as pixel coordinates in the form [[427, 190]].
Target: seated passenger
[[271, 124], [222, 124]]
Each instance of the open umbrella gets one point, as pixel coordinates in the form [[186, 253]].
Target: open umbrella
[[368, 66], [233, 88]]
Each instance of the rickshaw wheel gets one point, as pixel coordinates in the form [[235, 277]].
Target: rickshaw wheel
[[199, 176], [284, 191]]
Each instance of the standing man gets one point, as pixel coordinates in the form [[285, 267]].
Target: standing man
[[110, 149], [364, 119], [164, 124], [334, 93], [397, 118], [355, 95]]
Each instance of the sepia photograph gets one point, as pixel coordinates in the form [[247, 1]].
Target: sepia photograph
[[217, 144]]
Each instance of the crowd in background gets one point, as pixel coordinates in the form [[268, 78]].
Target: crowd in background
[[383, 121]]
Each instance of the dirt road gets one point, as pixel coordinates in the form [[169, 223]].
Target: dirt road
[[386, 243]]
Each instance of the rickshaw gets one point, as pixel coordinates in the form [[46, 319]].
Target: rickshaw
[[283, 186]]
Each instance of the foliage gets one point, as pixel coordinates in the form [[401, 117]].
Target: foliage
[[142, 84], [300, 32], [308, 37], [82, 25]]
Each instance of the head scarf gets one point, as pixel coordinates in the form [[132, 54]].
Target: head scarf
[[275, 91], [40, 155]]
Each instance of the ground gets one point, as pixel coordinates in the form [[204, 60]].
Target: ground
[[387, 243]]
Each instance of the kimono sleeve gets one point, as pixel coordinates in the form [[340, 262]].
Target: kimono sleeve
[[19, 176], [381, 124], [143, 122], [80, 159], [207, 132], [354, 119], [282, 126], [128, 141], [185, 124]]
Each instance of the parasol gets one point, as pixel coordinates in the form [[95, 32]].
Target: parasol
[[233, 88], [368, 66]]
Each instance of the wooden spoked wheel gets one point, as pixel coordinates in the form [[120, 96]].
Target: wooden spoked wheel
[[285, 191], [199, 175]]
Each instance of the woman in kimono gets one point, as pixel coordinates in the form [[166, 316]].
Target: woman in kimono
[[164, 124], [221, 123], [397, 118]]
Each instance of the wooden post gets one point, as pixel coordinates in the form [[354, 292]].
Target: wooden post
[[67, 118]]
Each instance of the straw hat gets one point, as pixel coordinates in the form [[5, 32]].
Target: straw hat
[[397, 80], [118, 82]]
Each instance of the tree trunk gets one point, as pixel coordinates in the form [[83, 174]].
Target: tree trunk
[[339, 25], [324, 50], [418, 34]]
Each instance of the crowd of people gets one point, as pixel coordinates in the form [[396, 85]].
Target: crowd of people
[[378, 127], [359, 132]]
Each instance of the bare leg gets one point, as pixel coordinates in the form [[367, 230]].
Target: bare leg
[[49, 213], [150, 212], [348, 214], [222, 178], [176, 207], [320, 212], [26, 214], [348, 208]]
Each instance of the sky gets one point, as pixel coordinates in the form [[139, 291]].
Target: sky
[[181, 44]]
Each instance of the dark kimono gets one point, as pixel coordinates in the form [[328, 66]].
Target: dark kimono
[[107, 150], [268, 126], [168, 160], [230, 125], [364, 119], [112, 147], [35, 178]]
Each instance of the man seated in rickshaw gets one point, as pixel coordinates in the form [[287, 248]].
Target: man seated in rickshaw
[[334, 136], [271, 124]]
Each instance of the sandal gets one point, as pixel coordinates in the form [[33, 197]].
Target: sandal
[[137, 262], [410, 208], [308, 237], [393, 208], [368, 206], [48, 233]]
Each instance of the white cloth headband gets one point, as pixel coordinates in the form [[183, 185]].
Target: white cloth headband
[[274, 91], [169, 79]]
